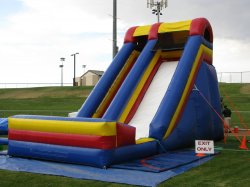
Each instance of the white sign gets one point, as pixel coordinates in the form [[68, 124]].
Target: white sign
[[204, 146]]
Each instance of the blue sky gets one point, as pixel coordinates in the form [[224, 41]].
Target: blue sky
[[35, 34], [10, 7]]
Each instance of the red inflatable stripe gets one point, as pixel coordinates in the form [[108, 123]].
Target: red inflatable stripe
[[125, 135], [153, 34], [129, 35], [199, 26], [90, 141]]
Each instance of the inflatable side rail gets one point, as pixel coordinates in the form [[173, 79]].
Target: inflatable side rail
[[4, 141], [197, 50], [103, 93], [94, 142], [3, 126], [103, 85], [79, 132]]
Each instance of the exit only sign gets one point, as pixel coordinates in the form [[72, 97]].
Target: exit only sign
[[204, 146]]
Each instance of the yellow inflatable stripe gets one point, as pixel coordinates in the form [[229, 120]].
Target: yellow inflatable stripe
[[177, 26], [171, 54], [139, 87], [68, 127], [202, 49], [142, 30], [144, 140], [104, 104]]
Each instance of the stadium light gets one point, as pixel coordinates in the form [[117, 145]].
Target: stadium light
[[61, 66]]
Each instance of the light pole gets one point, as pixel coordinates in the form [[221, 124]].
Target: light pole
[[61, 66], [84, 66], [74, 79]]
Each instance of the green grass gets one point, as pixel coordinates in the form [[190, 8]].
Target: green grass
[[44, 101], [22, 179], [229, 168], [237, 98]]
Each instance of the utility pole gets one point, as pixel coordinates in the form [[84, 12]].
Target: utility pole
[[61, 66], [157, 7], [74, 79], [115, 48]]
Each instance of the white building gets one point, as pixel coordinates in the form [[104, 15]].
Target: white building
[[90, 78]]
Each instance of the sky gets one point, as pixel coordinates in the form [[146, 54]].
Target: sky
[[35, 34]]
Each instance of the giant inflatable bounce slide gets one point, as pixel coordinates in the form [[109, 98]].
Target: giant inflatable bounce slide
[[159, 93]]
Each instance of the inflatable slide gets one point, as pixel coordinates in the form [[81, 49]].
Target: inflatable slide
[[160, 93]]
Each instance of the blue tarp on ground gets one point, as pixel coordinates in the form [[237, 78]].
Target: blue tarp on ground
[[115, 175], [161, 162]]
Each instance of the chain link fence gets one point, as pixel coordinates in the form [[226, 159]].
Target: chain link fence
[[234, 77], [227, 77]]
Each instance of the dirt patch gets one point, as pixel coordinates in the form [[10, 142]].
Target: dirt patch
[[20, 95], [74, 93], [245, 89]]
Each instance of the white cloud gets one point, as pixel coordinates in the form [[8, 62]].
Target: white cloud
[[47, 30], [38, 35], [231, 55]]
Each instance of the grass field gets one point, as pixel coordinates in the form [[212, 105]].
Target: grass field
[[229, 168], [44, 101], [237, 98]]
